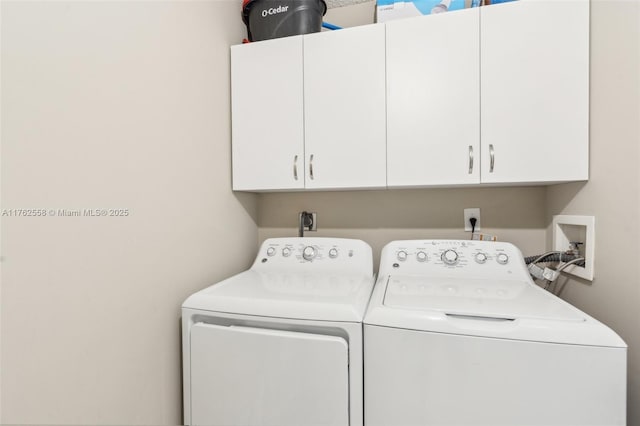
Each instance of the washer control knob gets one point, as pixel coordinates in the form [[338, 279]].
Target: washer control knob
[[308, 253], [450, 257], [286, 252], [421, 256], [402, 255], [481, 258], [502, 258], [271, 251], [333, 253]]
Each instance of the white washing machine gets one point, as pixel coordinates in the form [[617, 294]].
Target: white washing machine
[[457, 333], [281, 343]]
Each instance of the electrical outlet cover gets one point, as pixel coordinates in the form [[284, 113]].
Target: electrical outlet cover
[[468, 214], [314, 225]]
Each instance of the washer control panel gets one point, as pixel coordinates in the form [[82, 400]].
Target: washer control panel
[[314, 252], [454, 258]]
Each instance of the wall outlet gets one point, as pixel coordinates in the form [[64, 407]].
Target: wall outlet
[[567, 229], [314, 224], [468, 214]]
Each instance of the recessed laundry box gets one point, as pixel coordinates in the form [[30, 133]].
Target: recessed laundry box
[[267, 19], [457, 333], [281, 343]]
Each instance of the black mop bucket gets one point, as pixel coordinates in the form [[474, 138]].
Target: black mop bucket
[[267, 19]]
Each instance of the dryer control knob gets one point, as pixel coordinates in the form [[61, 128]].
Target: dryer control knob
[[309, 253], [286, 252], [271, 251], [502, 258], [481, 258], [450, 257], [333, 253], [421, 256], [402, 255]]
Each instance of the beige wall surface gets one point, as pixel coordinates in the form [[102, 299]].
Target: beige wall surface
[[515, 214], [352, 13], [112, 105], [612, 194]]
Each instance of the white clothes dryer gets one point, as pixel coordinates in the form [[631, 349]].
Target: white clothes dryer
[[281, 343], [457, 333]]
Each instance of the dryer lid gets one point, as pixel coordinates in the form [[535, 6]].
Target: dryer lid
[[309, 296], [500, 299]]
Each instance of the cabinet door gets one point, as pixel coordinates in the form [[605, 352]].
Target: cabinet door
[[344, 100], [267, 115], [433, 100], [535, 91]]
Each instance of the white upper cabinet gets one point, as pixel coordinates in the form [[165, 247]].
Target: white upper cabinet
[[267, 115], [491, 95], [309, 111], [433, 98], [535, 91], [344, 108]]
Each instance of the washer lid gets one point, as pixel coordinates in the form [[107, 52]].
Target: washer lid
[[500, 299], [310, 296], [501, 309]]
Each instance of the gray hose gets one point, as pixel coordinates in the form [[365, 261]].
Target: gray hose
[[554, 257]]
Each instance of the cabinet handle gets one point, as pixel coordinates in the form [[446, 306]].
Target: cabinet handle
[[470, 159], [492, 157], [311, 166], [295, 167]]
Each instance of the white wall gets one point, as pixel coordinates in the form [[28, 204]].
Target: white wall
[[112, 105], [612, 194]]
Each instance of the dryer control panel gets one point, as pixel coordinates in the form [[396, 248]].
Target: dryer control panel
[[313, 253], [453, 258]]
